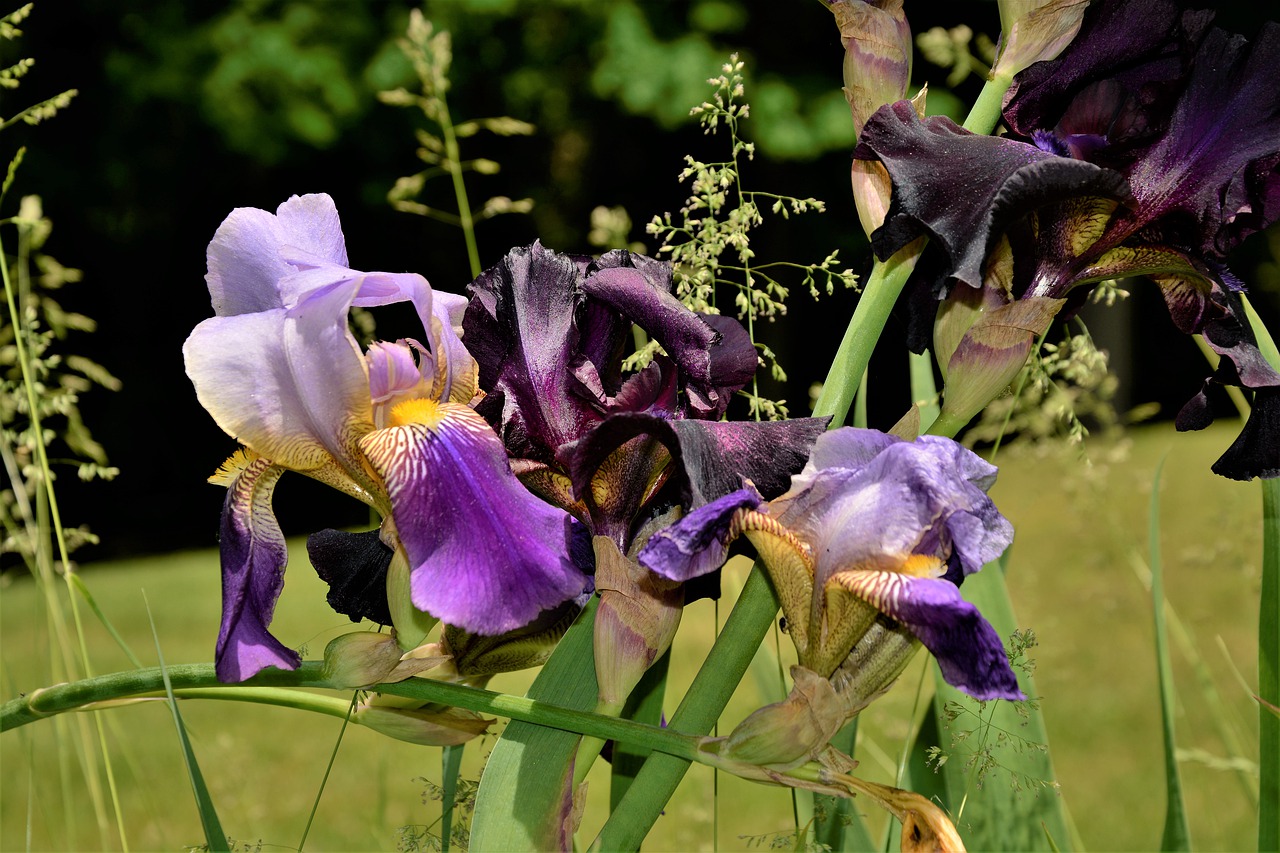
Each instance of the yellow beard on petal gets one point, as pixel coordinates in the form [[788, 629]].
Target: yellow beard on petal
[[230, 469], [423, 411], [922, 566]]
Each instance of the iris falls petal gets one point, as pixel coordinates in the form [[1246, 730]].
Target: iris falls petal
[[253, 560], [968, 649], [485, 554]]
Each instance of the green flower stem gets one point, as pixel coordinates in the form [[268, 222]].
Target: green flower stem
[[946, 424], [724, 667], [199, 681], [459, 186], [985, 113], [1268, 632], [881, 292]]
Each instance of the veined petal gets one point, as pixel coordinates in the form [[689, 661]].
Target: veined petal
[[924, 497], [244, 259], [485, 554], [698, 543], [289, 383], [253, 560], [963, 190], [968, 650], [521, 328]]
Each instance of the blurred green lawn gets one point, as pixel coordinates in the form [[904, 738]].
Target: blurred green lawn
[[1079, 529]]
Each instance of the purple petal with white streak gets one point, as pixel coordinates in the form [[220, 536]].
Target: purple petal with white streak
[[253, 561], [485, 554], [967, 648]]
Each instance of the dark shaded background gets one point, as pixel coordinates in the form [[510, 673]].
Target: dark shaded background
[[187, 110]]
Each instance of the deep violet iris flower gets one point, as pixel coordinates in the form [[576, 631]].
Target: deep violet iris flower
[[1152, 148], [278, 370], [874, 532], [549, 332]]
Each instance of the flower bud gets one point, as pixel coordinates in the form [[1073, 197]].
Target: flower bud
[[448, 727], [877, 54], [636, 620], [1034, 31], [991, 353], [786, 734], [365, 658]]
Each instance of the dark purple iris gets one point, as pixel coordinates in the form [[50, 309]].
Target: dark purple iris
[[550, 333], [1153, 150]]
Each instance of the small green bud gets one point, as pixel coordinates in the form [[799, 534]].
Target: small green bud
[[991, 353], [786, 734], [1034, 31], [448, 727], [636, 620]]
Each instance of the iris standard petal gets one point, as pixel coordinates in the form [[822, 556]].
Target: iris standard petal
[[289, 383], [245, 265], [521, 329], [968, 649], [485, 554], [925, 496], [253, 560]]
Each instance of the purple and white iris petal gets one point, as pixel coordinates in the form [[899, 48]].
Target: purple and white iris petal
[[698, 543], [253, 561], [245, 265], [967, 648], [288, 383], [485, 554]]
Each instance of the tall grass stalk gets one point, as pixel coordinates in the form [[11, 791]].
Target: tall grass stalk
[[48, 501]]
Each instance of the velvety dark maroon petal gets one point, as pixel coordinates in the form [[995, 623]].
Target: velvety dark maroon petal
[[1142, 46], [520, 326], [1214, 169], [964, 190], [354, 565], [709, 459]]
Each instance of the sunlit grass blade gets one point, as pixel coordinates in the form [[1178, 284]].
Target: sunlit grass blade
[[328, 768], [214, 837], [1019, 808], [1269, 671], [521, 799], [836, 822], [79, 585], [450, 767], [1176, 834], [643, 706]]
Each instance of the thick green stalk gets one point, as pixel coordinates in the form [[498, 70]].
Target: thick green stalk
[[200, 681], [724, 667], [881, 292], [985, 113]]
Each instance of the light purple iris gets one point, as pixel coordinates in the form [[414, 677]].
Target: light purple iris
[[549, 332], [1153, 145], [872, 526], [278, 370]]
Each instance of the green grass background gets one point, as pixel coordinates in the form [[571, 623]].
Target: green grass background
[[1080, 527]]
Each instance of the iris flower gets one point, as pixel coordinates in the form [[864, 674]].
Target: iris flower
[[1152, 145], [549, 332], [866, 552], [279, 371]]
